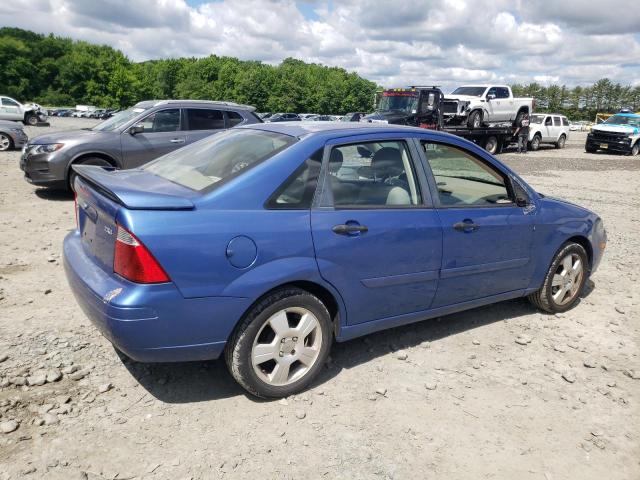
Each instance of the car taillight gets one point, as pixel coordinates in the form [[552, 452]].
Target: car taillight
[[134, 262]]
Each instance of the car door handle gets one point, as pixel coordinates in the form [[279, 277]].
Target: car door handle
[[350, 229], [466, 226], [177, 140]]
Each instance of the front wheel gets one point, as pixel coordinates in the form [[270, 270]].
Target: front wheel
[[491, 144], [5, 142], [535, 143], [100, 162], [635, 149], [475, 119], [564, 281], [31, 119], [281, 344]]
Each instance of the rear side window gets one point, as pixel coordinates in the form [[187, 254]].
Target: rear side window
[[556, 121], [234, 118], [205, 119], [502, 92], [219, 157], [296, 193], [565, 122], [162, 121]]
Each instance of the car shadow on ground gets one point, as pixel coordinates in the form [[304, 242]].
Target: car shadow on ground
[[54, 195], [191, 382]]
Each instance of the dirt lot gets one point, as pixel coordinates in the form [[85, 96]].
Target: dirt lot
[[451, 398]]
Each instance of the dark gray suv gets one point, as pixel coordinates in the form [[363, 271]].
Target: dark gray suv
[[129, 139]]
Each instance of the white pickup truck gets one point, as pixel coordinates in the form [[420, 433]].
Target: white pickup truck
[[478, 105], [29, 114]]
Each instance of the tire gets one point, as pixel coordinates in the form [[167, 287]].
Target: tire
[[5, 142], [562, 285], [491, 144], [31, 119], [475, 119], [635, 149], [535, 143], [561, 141], [100, 162], [255, 334]]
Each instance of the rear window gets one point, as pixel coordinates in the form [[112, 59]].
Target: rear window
[[565, 121], [234, 118], [217, 158]]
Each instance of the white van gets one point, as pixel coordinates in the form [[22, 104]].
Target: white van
[[548, 128]]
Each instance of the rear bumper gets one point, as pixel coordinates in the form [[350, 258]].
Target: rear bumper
[[149, 323]]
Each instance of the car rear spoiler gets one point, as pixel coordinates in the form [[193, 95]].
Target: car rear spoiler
[[135, 189]]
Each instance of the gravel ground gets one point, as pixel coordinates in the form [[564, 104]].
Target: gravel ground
[[497, 392]]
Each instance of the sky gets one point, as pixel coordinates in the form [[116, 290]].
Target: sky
[[442, 42]]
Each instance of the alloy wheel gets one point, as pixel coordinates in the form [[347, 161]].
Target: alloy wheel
[[287, 346], [5, 142], [567, 279]]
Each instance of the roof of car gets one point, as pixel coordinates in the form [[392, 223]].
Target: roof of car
[[300, 129], [154, 103], [631, 115]]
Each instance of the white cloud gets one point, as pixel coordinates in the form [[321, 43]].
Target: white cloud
[[415, 41]]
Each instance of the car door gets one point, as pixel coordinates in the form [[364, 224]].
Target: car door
[[547, 129], [9, 109], [505, 104], [557, 128], [161, 133], [487, 237], [202, 122], [377, 239]]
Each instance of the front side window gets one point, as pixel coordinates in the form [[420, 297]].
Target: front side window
[[374, 174], [464, 180], [219, 157], [162, 121], [205, 119], [547, 122], [296, 193], [7, 102]]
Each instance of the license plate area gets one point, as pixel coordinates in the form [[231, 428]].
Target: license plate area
[[604, 146]]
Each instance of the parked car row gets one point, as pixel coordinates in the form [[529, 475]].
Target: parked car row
[[100, 113], [308, 117]]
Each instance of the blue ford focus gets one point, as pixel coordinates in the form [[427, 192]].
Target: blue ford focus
[[263, 244]]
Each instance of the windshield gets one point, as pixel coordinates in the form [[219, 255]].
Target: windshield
[[118, 120], [471, 91], [537, 118], [218, 157], [623, 120], [403, 101]]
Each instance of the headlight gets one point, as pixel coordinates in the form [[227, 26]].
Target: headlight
[[48, 148]]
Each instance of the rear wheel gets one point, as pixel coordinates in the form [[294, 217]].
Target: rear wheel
[[5, 142], [100, 162], [561, 141], [475, 119], [535, 142], [564, 281], [281, 344]]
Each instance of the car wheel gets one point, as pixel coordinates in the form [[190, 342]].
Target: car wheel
[[100, 162], [561, 141], [635, 149], [5, 142], [281, 344], [475, 119], [491, 145], [564, 280], [31, 120], [535, 143]]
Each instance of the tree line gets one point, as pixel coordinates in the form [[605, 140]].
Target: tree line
[[58, 71]]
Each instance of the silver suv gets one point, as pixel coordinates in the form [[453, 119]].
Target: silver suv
[[129, 139]]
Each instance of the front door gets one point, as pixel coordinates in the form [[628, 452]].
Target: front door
[[9, 110], [377, 239], [486, 237], [161, 134]]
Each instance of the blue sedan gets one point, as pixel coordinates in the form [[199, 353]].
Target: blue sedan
[[265, 243]]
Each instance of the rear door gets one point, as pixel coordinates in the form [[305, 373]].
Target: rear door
[[487, 238], [202, 122], [377, 239], [162, 134]]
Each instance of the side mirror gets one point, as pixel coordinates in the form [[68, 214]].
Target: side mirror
[[139, 128], [491, 96]]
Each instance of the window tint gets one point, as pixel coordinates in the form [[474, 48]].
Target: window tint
[[565, 121], [297, 192], [502, 92], [162, 121], [7, 102], [205, 119], [234, 118], [547, 122], [378, 174], [556, 121], [463, 179]]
